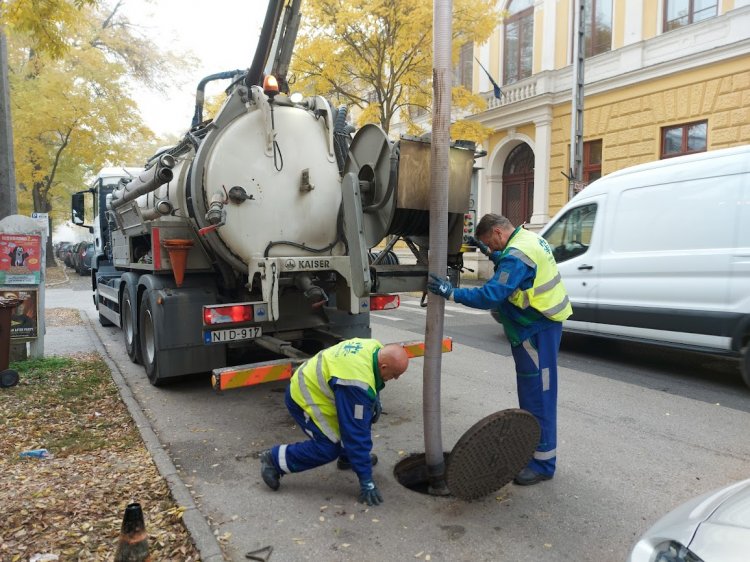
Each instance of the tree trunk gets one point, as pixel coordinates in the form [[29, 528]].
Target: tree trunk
[[42, 205]]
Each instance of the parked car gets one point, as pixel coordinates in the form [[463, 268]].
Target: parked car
[[84, 262], [660, 253], [79, 257], [59, 247], [714, 527], [66, 255]]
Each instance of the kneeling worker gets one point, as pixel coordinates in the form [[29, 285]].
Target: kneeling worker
[[334, 399]]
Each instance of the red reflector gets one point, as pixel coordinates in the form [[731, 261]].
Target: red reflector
[[384, 302], [231, 314]]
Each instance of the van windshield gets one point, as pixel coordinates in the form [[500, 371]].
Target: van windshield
[[570, 236]]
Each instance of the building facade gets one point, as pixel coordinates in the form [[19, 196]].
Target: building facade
[[662, 78]]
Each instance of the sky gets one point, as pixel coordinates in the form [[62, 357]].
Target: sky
[[221, 34]]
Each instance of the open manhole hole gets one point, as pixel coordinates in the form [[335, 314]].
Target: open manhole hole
[[486, 458]]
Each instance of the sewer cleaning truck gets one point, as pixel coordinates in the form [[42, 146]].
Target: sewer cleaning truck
[[248, 246]]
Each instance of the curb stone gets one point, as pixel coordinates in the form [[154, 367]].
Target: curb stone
[[196, 524]]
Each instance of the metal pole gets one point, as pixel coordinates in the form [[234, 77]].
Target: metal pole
[[576, 110], [8, 204], [439, 171]]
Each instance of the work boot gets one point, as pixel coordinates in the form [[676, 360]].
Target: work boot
[[268, 471], [344, 464], [528, 477]]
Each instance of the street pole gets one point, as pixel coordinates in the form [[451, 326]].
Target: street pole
[[576, 110], [439, 171], [8, 204]]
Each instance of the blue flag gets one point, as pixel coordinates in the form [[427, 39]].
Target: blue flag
[[495, 87]]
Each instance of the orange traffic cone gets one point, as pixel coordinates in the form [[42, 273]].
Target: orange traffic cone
[[178, 249], [133, 543]]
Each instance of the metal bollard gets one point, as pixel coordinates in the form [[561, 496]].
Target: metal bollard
[[8, 377]]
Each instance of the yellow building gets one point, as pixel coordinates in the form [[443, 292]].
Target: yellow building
[[662, 78]]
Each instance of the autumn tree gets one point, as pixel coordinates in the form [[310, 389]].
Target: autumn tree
[[377, 55], [73, 111]]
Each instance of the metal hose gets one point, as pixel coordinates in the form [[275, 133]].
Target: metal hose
[[439, 172]]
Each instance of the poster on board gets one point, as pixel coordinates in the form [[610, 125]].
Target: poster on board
[[24, 319], [20, 259]]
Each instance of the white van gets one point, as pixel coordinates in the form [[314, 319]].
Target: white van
[[660, 253]]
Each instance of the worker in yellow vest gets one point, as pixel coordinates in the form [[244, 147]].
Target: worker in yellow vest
[[334, 397], [528, 296]]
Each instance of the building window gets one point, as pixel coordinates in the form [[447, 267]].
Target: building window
[[464, 72], [678, 13], [518, 49], [597, 27], [592, 161], [684, 139]]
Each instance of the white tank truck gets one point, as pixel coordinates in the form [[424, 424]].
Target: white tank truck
[[245, 248]]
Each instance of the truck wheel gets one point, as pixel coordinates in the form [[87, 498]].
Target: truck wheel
[[148, 332], [745, 365], [127, 316]]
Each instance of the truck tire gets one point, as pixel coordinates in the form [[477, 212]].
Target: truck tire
[[745, 365], [127, 320], [149, 336]]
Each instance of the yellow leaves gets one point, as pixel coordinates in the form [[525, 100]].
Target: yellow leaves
[[377, 54], [469, 130]]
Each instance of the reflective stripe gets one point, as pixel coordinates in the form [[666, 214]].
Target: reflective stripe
[[317, 415], [515, 252], [322, 384], [282, 460], [359, 384], [533, 353], [545, 455], [504, 277], [548, 286], [545, 379], [359, 412], [518, 293], [550, 312]]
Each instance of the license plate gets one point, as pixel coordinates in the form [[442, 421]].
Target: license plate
[[232, 334]]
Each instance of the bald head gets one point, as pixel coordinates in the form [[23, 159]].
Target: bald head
[[392, 361]]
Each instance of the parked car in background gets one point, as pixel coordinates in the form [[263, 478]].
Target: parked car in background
[[86, 254], [78, 258], [714, 527], [59, 247], [66, 254]]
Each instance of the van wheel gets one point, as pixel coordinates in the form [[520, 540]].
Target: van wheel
[[745, 365], [127, 316], [149, 337]]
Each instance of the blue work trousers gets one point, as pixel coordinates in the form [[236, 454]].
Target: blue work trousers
[[316, 451], [536, 378]]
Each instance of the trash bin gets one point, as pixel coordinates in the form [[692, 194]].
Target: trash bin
[[8, 377]]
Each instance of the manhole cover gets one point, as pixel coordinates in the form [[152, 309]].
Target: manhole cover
[[491, 453]]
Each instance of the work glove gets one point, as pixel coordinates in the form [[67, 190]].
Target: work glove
[[369, 493], [440, 286], [485, 249], [377, 409]]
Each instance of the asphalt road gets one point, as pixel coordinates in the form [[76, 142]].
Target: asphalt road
[[640, 430]]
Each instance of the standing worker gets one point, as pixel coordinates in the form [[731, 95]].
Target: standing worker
[[528, 296], [334, 397]]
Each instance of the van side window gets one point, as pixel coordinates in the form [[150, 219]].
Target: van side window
[[570, 236]]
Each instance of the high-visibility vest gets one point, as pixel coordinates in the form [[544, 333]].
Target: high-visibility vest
[[547, 294], [352, 362]]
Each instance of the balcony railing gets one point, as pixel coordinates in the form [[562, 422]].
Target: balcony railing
[[512, 93]]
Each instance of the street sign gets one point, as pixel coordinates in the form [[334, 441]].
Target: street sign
[[42, 219]]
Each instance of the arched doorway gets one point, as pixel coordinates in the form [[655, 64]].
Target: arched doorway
[[518, 184]]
